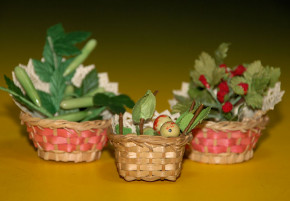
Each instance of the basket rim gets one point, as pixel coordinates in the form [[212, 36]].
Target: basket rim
[[259, 121], [64, 124], [150, 140]]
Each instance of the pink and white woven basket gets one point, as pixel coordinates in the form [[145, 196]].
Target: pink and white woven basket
[[226, 142], [61, 140]]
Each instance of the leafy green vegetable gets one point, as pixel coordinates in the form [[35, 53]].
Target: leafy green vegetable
[[57, 87], [144, 108], [47, 103], [254, 99], [43, 70]]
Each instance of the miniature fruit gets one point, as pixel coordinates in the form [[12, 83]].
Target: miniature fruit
[[149, 131], [159, 121], [170, 129]]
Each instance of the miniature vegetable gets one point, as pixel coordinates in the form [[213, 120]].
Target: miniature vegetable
[[59, 87], [159, 121], [170, 129]]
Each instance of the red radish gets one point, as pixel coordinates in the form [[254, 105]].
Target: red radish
[[159, 121]]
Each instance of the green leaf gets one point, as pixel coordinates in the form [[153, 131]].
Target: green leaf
[[149, 131], [47, 103], [123, 100], [125, 130], [43, 70], [48, 55], [206, 66], [76, 36], [90, 82], [254, 100], [185, 120], [235, 85], [253, 68], [23, 100], [181, 117], [180, 108], [65, 48], [201, 95], [117, 109], [56, 32], [274, 74], [221, 52], [57, 87], [94, 113], [101, 100], [12, 86], [260, 82], [144, 108]]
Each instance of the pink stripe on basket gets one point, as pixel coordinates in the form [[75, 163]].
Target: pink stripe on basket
[[207, 140]]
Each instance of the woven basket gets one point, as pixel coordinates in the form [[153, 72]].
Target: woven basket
[[61, 140], [226, 142], [149, 158]]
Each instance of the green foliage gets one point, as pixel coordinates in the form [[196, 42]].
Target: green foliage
[[116, 103], [90, 82], [125, 130], [221, 52], [254, 100], [206, 66], [144, 108], [47, 102], [235, 85], [43, 70]]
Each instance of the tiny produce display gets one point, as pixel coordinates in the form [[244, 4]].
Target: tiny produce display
[[63, 102], [239, 98], [149, 146]]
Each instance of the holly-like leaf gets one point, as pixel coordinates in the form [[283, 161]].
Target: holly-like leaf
[[125, 130], [43, 70], [144, 108], [253, 68], [254, 100], [260, 82], [205, 65], [235, 85], [221, 52], [274, 74], [46, 100], [76, 36], [123, 100], [90, 82]]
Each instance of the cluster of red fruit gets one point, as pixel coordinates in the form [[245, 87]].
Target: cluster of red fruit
[[224, 88]]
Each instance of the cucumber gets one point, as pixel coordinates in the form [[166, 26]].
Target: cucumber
[[27, 85], [86, 51], [74, 103]]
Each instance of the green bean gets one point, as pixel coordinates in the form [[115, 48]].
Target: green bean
[[87, 49], [76, 116], [27, 85], [95, 91], [81, 102]]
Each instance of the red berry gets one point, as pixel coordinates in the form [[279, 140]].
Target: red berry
[[238, 71], [203, 80], [227, 107], [245, 87], [223, 86], [221, 96]]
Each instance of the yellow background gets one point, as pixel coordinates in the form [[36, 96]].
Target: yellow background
[[147, 45]]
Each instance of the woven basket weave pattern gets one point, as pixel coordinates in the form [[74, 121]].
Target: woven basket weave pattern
[[148, 158], [67, 141], [226, 142]]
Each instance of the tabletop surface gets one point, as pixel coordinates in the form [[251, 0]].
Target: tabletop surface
[[147, 46]]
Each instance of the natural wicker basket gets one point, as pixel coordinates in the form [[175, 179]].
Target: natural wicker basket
[[149, 158], [61, 140], [226, 142]]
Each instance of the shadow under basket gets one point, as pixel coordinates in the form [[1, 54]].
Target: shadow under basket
[[226, 142], [149, 158], [61, 140]]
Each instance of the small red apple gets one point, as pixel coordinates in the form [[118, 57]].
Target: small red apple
[[159, 121]]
